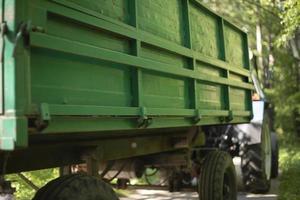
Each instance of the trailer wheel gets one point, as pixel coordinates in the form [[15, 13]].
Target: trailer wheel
[[275, 155], [217, 180], [256, 163], [76, 187]]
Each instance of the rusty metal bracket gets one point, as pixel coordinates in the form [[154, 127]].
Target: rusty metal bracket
[[93, 157]]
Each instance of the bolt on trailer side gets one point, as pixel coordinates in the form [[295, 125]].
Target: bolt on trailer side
[[96, 66]]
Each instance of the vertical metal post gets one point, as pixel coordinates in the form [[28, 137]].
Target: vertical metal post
[[2, 31], [92, 165], [245, 49], [223, 57], [136, 47], [247, 65], [188, 44]]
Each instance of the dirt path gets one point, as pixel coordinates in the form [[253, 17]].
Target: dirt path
[[271, 196], [165, 195]]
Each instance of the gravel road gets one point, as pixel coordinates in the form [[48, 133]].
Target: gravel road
[[165, 195]]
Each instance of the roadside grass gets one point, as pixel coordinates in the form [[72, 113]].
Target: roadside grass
[[290, 169], [39, 178]]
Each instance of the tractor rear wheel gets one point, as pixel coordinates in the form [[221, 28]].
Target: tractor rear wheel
[[256, 163], [275, 155]]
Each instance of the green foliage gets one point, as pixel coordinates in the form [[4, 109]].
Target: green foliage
[[39, 178], [279, 73], [284, 94], [290, 20], [289, 165]]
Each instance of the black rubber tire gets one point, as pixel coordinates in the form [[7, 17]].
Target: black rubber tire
[[217, 176], [76, 187], [275, 155], [256, 158], [254, 177]]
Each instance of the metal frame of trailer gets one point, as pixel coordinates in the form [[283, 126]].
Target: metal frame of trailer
[[126, 79], [34, 45]]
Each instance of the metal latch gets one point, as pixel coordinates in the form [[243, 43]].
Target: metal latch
[[45, 114], [230, 116], [144, 121], [23, 31], [198, 117], [3, 31]]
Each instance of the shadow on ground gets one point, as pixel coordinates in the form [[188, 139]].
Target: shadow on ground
[[165, 195]]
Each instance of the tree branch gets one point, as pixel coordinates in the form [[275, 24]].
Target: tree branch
[[29, 182]]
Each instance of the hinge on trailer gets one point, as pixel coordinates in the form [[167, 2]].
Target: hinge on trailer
[[230, 116], [3, 31], [3, 28], [42, 122], [45, 114], [144, 121], [198, 117], [23, 32]]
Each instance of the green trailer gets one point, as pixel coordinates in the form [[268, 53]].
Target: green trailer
[[101, 80]]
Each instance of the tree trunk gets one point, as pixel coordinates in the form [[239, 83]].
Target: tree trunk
[[295, 48]]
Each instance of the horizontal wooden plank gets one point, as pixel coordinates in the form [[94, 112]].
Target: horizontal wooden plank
[[54, 43], [87, 110], [99, 21], [72, 125], [82, 110]]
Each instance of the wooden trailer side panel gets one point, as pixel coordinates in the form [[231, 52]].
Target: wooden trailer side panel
[[92, 66]]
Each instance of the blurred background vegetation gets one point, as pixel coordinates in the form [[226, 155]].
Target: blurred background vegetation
[[25, 190], [273, 27], [274, 38]]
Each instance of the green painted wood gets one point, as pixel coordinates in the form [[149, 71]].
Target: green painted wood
[[13, 123], [75, 110], [96, 65], [67, 46], [136, 46], [131, 33], [61, 125], [204, 28], [224, 57]]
